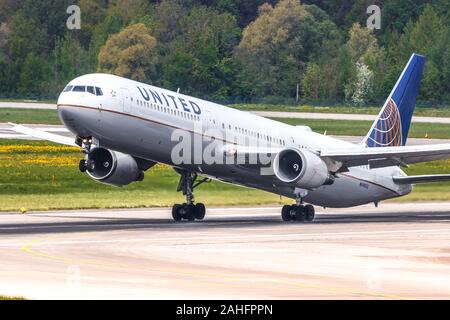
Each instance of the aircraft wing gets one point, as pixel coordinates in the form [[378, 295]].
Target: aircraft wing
[[422, 179], [43, 135], [388, 156]]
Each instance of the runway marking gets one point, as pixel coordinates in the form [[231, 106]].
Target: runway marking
[[300, 284]]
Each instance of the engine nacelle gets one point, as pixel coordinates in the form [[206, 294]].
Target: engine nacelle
[[301, 168], [116, 168]]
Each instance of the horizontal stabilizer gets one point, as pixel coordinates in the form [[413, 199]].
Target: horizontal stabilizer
[[388, 156], [422, 179]]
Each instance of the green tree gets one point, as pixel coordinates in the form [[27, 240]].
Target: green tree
[[365, 53], [311, 82], [34, 77], [130, 53], [429, 36], [167, 16], [276, 47], [200, 59], [396, 13], [111, 25], [360, 91], [69, 60], [26, 36]]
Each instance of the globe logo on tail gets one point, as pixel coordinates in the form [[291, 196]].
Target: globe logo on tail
[[387, 132]]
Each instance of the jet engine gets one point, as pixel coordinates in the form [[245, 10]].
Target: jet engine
[[301, 168], [115, 168]]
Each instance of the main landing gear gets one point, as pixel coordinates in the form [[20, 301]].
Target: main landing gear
[[188, 210], [298, 213]]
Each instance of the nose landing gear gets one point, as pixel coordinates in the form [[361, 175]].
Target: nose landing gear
[[188, 210], [86, 145]]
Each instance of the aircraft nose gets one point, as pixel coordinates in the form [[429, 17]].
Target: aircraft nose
[[67, 116], [76, 120]]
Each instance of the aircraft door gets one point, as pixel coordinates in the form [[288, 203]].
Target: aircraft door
[[126, 100]]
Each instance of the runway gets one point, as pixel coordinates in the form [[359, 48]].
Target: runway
[[396, 251]]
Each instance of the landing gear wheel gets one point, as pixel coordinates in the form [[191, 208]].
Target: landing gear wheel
[[82, 165], [200, 211], [309, 213], [286, 213], [299, 213], [176, 212], [189, 212]]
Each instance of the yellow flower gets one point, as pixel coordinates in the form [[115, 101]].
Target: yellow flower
[[32, 148]]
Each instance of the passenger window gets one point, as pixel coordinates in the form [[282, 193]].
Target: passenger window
[[91, 90], [68, 88], [79, 89], [99, 92]]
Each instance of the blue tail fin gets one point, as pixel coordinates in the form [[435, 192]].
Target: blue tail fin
[[392, 124]]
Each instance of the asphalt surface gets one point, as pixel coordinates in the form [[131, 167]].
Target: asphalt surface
[[270, 114], [6, 133], [396, 251]]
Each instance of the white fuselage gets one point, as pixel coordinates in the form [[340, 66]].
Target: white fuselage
[[140, 120]]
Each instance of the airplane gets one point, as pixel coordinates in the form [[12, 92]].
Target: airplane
[[125, 127]]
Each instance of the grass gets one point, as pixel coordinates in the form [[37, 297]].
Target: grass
[[41, 116], [439, 191], [37, 175]]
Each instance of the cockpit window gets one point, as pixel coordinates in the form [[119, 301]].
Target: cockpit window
[[68, 88], [79, 89], [90, 89]]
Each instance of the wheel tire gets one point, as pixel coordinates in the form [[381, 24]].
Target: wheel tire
[[309, 213], [285, 213], [82, 165], [176, 214], [200, 211], [300, 213], [189, 212]]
